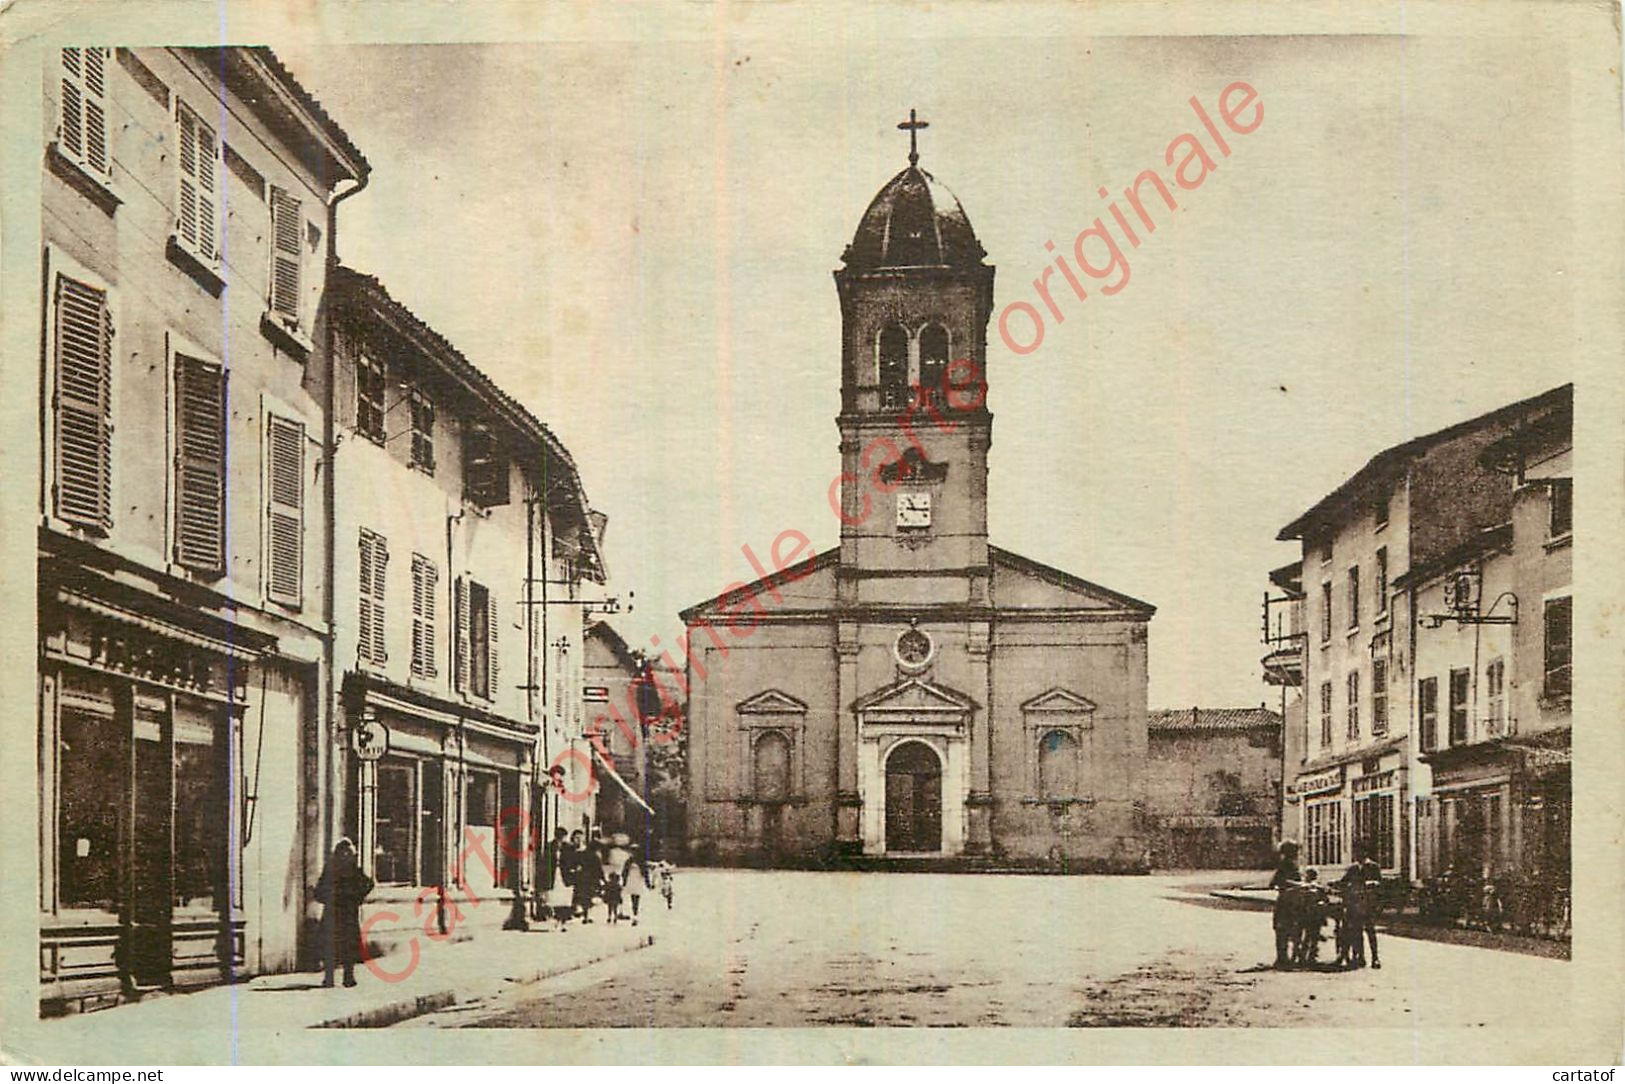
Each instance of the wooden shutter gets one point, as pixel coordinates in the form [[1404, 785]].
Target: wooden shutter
[[425, 578], [82, 130], [200, 464], [363, 594], [285, 253], [379, 651], [460, 601], [491, 612], [83, 404], [199, 200], [285, 511]]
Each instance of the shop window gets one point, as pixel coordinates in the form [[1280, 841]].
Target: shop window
[[770, 767], [1058, 765], [395, 823], [1495, 690], [200, 815], [1427, 712], [1379, 697], [93, 766], [480, 800], [1324, 827], [1374, 829], [1460, 691], [1559, 648]]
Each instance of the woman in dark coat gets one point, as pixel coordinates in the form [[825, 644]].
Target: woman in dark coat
[[341, 889], [589, 874]]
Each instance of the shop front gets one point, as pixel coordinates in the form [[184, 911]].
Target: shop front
[[1354, 806], [143, 794], [1503, 809], [439, 808]]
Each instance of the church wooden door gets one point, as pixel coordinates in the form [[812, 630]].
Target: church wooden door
[[913, 799]]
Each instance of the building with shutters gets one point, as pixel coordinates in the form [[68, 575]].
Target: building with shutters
[[463, 541], [186, 199], [915, 693], [622, 707], [1494, 666], [1373, 692]]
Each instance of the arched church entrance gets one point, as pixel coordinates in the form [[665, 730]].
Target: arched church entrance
[[913, 799]]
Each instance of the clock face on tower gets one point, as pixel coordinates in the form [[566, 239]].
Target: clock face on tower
[[914, 510]]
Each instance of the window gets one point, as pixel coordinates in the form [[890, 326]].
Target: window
[[477, 670], [370, 646], [1559, 648], [200, 465], [285, 514], [1379, 512], [1326, 552], [82, 492], [480, 799], [770, 767], [1325, 713], [369, 397], [92, 808], [933, 361], [1354, 596], [1353, 720], [200, 813], [1562, 501], [1460, 690], [485, 469], [425, 577], [422, 431], [1324, 828], [396, 822], [1058, 765], [81, 134], [1427, 712], [893, 368], [287, 256], [1379, 697], [1325, 612], [197, 225], [1374, 828], [1495, 686], [1382, 580]]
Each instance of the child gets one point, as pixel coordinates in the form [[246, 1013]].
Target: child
[[612, 897], [666, 872]]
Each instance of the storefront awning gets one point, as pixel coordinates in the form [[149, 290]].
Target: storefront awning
[[624, 785]]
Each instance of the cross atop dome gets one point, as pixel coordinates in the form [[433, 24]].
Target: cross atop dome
[[912, 126]]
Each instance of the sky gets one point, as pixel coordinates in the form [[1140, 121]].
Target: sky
[[636, 239]]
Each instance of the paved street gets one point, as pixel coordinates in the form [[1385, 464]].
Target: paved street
[[790, 949]]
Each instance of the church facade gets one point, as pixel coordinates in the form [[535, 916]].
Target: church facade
[[917, 692]]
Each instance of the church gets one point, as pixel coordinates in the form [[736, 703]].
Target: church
[[919, 695]]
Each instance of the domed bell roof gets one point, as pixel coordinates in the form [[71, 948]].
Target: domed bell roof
[[914, 222]]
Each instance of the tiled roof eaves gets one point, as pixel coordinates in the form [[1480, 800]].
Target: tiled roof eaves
[[309, 103]]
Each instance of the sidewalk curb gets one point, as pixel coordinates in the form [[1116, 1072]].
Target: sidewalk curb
[[383, 1016]]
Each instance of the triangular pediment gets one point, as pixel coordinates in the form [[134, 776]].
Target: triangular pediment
[[1059, 699], [771, 702], [916, 694], [1022, 584]]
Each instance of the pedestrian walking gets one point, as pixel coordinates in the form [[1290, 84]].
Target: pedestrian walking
[[635, 880], [1286, 921], [557, 900], [612, 898], [618, 853], [668, 874], [341, 888], [589, 875]]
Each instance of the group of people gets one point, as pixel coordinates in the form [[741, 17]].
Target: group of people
[[577, 871], [1303, 906]]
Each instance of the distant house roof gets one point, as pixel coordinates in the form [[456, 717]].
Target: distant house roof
[[565, 492], [1259, 718], [1391, 461]]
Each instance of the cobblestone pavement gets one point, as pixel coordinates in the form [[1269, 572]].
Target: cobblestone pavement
[[791, 949]]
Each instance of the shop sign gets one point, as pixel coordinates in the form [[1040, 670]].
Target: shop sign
[[1370, 783], [370, 739], [1330, 779]]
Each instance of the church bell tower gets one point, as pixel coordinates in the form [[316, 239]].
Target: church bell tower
[[916, 298]]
